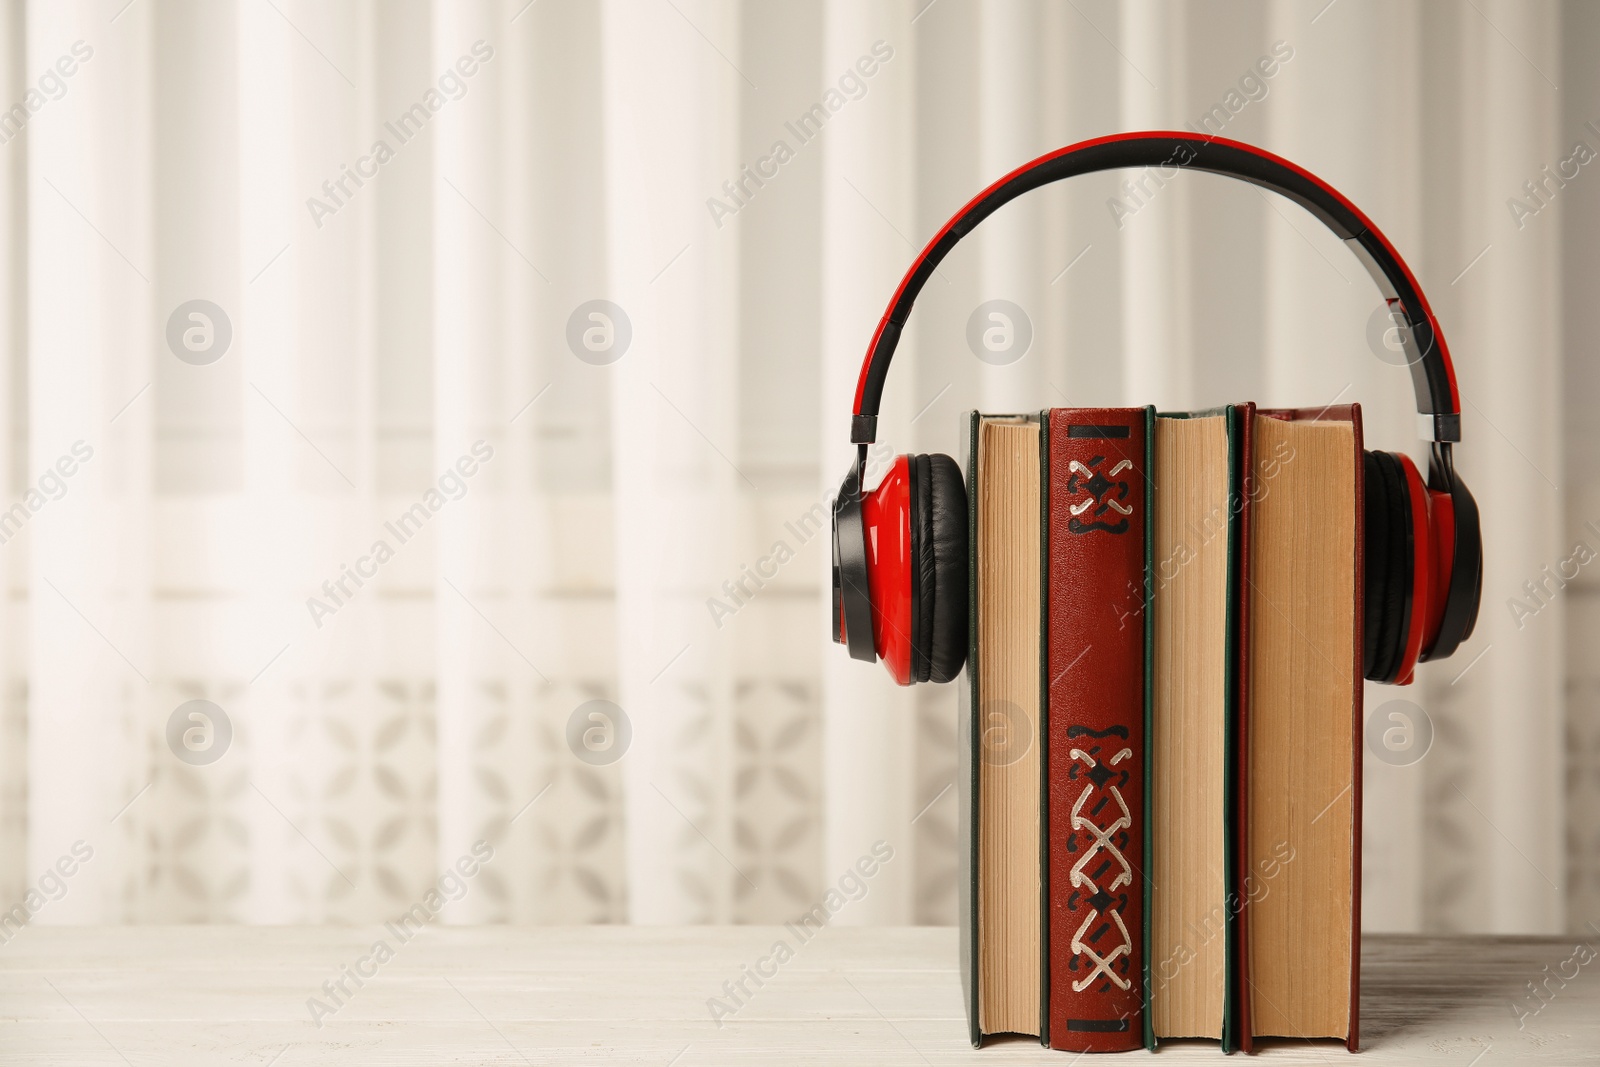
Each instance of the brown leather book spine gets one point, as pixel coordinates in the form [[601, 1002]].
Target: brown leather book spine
[[1096, 679]]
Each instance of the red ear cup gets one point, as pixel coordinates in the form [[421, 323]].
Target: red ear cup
[[1412, 539], [900, 570], [1458, 559], [1423, 616], [1441, 549], [886, 519]]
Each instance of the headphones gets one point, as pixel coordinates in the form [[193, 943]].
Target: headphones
[[900, 551]]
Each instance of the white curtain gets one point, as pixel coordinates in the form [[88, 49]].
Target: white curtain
[[502, 516]]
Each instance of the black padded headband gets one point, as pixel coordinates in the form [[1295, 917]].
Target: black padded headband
[[1432, 374]]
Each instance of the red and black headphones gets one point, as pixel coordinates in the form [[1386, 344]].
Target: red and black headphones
[[900, 551]]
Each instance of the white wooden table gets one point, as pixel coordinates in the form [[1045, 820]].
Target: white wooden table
[[638, 995]]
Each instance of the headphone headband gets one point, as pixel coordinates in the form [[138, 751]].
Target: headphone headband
[[1432, 374]]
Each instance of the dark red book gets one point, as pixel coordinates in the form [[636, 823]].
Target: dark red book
[[1096, 661]]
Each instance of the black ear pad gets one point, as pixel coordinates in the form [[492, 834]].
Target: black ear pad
[[1389, 556], [939, 575]]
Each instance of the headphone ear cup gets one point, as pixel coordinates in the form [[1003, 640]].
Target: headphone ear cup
[[1463, 587], [1389, 554], [939, 594]]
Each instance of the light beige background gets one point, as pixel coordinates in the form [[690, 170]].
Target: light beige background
[[429, 311]]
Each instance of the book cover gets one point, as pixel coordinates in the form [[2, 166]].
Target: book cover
[[1096, 623]]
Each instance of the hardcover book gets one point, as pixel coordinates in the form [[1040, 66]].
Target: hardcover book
[[1299, 730], [1001, 766]]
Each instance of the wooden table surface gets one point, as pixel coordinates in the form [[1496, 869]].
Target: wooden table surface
[[639, 995]]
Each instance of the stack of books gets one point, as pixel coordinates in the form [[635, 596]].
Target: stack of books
[[1161, 718]]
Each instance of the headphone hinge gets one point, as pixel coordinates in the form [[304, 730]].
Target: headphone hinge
[[1441, 426]]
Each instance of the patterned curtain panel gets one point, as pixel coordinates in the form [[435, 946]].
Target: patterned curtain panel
[[419, 422]]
